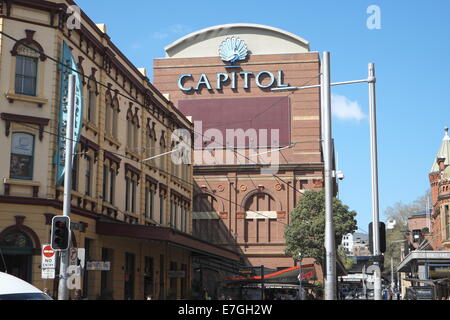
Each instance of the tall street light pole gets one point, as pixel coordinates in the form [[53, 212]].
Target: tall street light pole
[[374, 165], [63, 292], [330, 245]]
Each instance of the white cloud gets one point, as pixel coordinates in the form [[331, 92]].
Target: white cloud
[[159, 35], [180, 29], [345, 109], [175, 29]]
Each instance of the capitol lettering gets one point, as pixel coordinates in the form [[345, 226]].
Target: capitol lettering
[[263, 79]]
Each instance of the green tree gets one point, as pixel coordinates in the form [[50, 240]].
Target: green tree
[[395, 237], [306, 232]]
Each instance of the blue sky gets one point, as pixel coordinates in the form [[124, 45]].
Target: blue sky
[[412, 56]]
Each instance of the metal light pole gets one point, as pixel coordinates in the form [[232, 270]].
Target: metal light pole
[[374, 167], [330, 245], [63, 293], [300, 289], [330, 280]]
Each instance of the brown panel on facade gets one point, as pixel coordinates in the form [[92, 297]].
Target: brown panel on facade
[[269, 113]]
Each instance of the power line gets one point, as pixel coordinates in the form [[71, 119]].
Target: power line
[[161, 170], [140, 104]]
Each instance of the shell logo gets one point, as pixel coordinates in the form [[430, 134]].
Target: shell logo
[[233, 49]]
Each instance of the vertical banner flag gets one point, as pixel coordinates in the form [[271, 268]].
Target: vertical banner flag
[[66, 68]]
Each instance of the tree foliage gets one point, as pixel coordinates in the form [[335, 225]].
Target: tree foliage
[[306, 232], [400, 212]]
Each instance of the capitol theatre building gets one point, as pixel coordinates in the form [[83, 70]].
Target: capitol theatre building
[[256, 151]]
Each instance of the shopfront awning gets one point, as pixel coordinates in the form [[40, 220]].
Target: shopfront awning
[[428, 282], [286, 276], [171, 236], [422, 258]]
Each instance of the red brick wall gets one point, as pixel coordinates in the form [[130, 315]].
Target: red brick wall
[[261, 241]]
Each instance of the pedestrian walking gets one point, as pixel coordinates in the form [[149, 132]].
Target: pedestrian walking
[[78, 295]]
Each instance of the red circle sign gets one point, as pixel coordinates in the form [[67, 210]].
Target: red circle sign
[[48, 252]]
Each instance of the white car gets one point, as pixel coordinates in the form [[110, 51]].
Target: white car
[[12, 288]]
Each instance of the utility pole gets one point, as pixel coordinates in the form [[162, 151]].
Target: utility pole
[[300, 278], [330, 245], [374, 167], [63, 293], [330, 278], [263, 289], [392, 274]]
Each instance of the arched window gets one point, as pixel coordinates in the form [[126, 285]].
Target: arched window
[[22, 156], [260, 202], [162, 150], [205, 203], [16, 241], [130, 133], [108, 113], [92, 103], [115, 116]]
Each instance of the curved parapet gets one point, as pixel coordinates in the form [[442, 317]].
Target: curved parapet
[[205, 43]]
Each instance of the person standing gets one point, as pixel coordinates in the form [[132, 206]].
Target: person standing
[[78, 295]]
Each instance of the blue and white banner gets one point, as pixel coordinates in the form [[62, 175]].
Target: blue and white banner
[[68, 67]]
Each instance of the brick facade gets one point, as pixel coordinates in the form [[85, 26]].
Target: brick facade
[[232, 193]]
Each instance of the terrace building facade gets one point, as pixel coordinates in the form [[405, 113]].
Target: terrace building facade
[[133, 213]]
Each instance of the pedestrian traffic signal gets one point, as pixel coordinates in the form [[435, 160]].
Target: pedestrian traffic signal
[[60, 233], [382, 233]]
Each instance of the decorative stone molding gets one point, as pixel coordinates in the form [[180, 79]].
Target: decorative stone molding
[[28, 42]]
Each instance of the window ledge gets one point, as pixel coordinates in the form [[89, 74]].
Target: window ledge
[[18, 182], [90, 126], [40, 101], [35, 185], [131, 214], [113, 141], [133, 154]]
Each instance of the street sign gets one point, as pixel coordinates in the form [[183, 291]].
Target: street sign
[[98, 266], [48, 257], [48, 274]]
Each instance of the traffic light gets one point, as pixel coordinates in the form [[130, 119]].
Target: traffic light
[[382, 233], [60, 233]]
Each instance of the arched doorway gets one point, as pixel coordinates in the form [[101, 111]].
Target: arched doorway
[[16, 254]]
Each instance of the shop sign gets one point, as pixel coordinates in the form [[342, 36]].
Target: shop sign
[[68, 67], [98, 266], [231, 51], [263, 79], [439, 271]]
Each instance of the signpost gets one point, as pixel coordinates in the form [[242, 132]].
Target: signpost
[[48, 262]]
